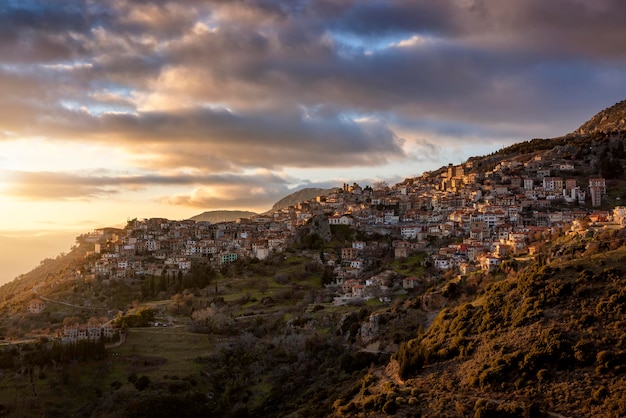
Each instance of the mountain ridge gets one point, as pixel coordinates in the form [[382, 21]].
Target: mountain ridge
[[611, 119], [215, 216], [299, 196]]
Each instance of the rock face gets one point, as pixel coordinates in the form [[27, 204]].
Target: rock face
[[612, 119], [370, 328], [434, 301], [318, 225]]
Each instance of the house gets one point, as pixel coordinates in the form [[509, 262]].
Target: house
[[94, 332], [501, 250], [410, 232], [356, 264], [443, 263], [597, 190], [411, 283], [261, 252], [349, 253], [489, 263], [401, 252], [228, 258], [359, 245], [36, 306], [466, 268], [108, 331], [553, 184], [599, 216], [543, 173], [73, 333], [341, 220]]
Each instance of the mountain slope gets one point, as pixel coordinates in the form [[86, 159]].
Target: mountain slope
[[299, 196], [611, 119], [215, 216], [541, 340]]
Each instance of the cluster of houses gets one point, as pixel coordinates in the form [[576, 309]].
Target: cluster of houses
[[75, 332], [92, 331], [159, 246], [489, 215]]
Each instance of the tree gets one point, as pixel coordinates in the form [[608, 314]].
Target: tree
[[142, 383], [71, 320], [381, 185], [177, 298]]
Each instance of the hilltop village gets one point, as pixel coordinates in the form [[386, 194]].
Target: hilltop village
[[490, 288], [463, 218], [388, 298]]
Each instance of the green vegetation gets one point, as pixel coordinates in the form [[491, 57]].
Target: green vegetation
[[541, 336], [411, 266], [261, 339]]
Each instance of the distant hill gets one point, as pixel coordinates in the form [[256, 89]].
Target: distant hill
[[215, 216], [300, 196], [611, 119]]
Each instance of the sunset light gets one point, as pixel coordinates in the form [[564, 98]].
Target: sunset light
[[111, 110], [312, 208]]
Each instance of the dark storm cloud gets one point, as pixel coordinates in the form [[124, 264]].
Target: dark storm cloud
[[32, 31], [244, 140], [590, 28], [380, 18]]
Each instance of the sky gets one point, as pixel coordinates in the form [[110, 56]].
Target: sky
[[120, 109]]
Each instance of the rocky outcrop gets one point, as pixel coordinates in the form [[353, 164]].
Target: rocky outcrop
[[317, 225], [434, 301], [612, 119], [370, 328]]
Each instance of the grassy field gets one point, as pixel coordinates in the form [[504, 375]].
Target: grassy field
[[411, 266], [165, 355], [175, 345]]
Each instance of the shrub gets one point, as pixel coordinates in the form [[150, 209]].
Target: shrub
[[390, 407], [142, 383], [281, 278], [543, 375], [411, 357], [601, 393]]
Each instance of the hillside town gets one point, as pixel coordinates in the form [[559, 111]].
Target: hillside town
[[358, 269], [464, 219]]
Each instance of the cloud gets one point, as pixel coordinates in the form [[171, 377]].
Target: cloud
[[222, 88], [586, 28], [259, 189], [229, 196], [242, 140], [69, 186], [56, 186]]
